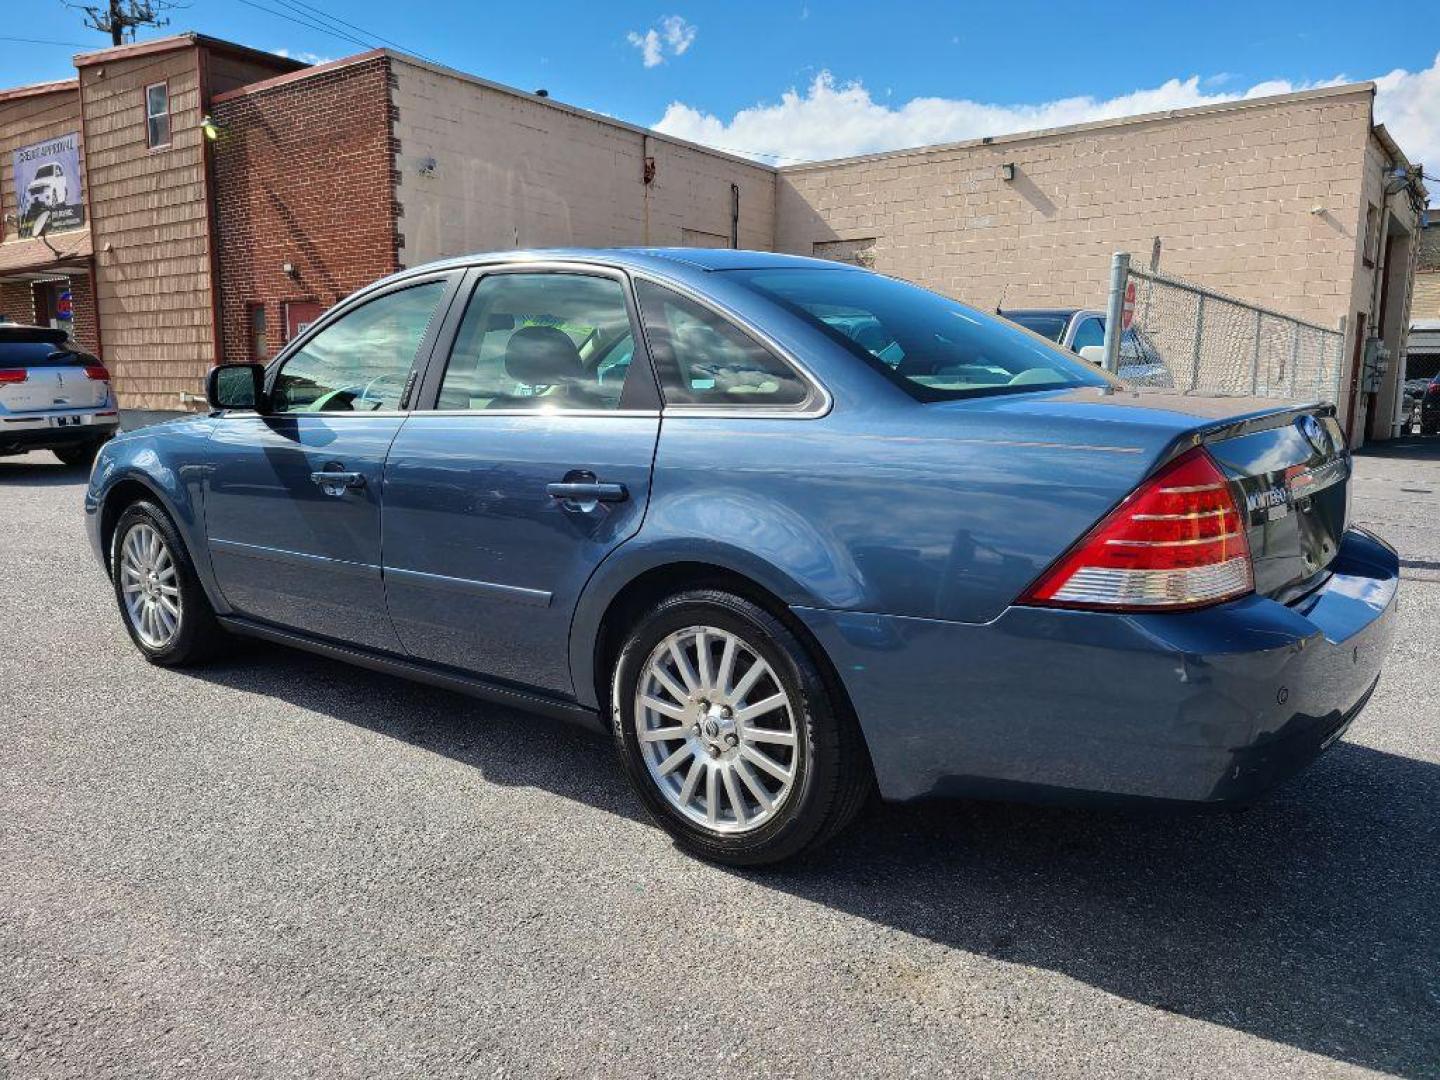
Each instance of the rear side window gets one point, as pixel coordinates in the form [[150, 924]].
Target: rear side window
[[543, 341], [933, 348], [702, 359]]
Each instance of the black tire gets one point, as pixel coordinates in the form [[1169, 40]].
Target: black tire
[[198, 636], [832, 778], [79, 454]]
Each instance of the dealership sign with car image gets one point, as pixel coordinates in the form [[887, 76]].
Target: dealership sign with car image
[[47, 186]]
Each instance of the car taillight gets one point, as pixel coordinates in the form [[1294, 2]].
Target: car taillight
[[13, 375], [97, 372], [1177, 541]]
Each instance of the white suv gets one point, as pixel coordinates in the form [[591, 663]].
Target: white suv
[[49, 188], [52, 397]]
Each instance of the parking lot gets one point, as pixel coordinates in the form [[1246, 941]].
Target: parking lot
[[283, 866]]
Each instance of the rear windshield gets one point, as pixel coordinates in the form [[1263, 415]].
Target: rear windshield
[[933, 348], [1046, 325], [41, 354]]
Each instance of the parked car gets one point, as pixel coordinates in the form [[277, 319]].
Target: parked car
[[783, 561], [48, 188], [1082, 331], [52, 395], [1430, 408]]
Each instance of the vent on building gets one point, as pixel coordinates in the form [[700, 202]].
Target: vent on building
[[854, 252]]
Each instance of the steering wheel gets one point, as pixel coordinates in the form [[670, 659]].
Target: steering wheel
[[348, 398]]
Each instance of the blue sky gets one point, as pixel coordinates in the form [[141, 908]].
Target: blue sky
[[864, 75]]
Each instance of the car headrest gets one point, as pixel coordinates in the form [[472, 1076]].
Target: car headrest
[[872, 337], [542, 356]]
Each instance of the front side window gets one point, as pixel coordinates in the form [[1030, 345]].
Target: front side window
[[360, 362], [704, 360], [544, 341], [933, 348], [1091, 331], [157, 115]]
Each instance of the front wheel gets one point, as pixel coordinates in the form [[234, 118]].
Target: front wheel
[[162, 603], [729, 733]]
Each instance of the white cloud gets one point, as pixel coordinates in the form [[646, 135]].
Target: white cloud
[[303, 57], [833, 119], [649, 45], [673, 36], [1408, 104]]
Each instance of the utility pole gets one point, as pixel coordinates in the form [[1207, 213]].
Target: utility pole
[[116, 17]]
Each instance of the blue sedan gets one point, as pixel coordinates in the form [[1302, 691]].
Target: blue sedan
[[793, 532]]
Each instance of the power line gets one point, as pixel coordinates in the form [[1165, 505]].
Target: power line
[[301, 15], [296, 5], [331, 31], [45, 41]]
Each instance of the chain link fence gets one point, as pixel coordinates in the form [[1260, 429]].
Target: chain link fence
[[1184, 337]]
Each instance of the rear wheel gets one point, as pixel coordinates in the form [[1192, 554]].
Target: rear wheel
[[162, 603], [729, 733], [79, 454]]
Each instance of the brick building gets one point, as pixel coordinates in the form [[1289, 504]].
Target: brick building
[[275, 189]]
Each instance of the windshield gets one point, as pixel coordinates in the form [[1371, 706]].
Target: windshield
[[933, 348]]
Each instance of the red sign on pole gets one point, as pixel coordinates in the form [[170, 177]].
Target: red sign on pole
[[1127, 313]]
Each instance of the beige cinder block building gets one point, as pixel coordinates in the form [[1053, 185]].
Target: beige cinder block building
[[275, 189], [1289, 202]]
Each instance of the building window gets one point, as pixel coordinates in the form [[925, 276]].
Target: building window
[[1372, 236], [258, 351], [157, 115]]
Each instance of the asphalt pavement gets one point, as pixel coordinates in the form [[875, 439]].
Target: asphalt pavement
[[282, 866]]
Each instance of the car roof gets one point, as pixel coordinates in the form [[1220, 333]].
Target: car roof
[[691, 263]]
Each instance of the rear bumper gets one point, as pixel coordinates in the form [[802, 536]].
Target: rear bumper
[[22, 433], [1207, 706]]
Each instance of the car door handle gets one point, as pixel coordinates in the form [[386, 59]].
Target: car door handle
[[588, 492], [334, 482]]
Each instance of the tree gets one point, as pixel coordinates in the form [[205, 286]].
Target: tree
[[116, 17]]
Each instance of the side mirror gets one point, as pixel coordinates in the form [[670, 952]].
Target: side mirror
[[1093, 353], [236, 386]]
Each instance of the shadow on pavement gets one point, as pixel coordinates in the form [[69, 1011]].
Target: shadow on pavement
[[1310, 920], [46, 471], [1416, 447]]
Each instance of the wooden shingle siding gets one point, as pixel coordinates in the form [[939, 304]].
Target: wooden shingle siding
[[150, 229]]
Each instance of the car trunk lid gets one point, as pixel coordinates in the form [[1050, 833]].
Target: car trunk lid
[[52, 389], [40, 372], [1287, 465], [1291, 473]]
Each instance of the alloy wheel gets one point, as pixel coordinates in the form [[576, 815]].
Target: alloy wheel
[[150, 586], [717, 729]]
